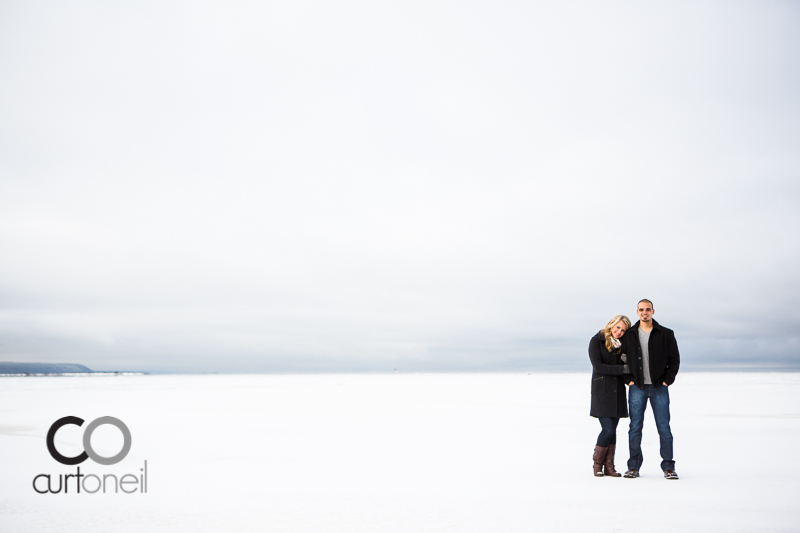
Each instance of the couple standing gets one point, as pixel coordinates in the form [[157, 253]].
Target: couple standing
[[645, 357]]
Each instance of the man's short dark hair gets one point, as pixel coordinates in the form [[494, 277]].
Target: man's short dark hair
[[648, 301]]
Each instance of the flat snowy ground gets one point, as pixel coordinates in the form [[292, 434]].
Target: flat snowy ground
[[384, 453]]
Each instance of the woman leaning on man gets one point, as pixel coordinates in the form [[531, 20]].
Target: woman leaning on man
[[608, 390]]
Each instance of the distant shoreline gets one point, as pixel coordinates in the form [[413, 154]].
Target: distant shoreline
[[68, 374], [362, 373], [11, 368]]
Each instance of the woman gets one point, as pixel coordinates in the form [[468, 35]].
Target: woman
[[608, 390]]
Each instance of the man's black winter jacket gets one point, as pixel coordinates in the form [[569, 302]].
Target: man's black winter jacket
[[664, 356]]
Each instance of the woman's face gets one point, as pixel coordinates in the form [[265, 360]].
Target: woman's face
[[618, 329]]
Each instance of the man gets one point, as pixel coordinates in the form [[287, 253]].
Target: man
[[652, 355]]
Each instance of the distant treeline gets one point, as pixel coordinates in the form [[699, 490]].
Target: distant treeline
[[42, 368]]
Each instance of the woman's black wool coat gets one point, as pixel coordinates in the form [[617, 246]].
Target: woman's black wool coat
[[608, 389]]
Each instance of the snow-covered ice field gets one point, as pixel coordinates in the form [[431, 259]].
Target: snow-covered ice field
[[385, 453]]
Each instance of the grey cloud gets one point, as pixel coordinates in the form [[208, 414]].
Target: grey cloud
[[433, 186]]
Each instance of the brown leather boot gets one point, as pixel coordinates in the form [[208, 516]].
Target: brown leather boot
[[599, 458], [609, 462]]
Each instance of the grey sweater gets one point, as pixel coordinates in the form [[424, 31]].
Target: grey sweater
[[644, 339]]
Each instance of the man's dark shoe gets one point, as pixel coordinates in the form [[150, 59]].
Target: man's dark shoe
[[631, 473], [671, 474]]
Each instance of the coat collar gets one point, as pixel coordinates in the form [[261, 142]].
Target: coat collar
[[656, 325]]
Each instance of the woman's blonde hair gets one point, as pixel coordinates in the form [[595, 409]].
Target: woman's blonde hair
[[606, 331]]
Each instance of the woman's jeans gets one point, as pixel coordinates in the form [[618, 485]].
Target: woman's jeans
[[637, 404], [608, 433]]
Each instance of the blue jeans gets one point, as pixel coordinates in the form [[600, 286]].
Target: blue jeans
[[637, 404]]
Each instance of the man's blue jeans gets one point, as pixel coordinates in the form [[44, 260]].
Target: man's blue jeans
[[637, 404]]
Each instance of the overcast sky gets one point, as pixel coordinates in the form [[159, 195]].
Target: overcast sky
[[362, 186]]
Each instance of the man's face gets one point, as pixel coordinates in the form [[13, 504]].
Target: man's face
[[645, 311]]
